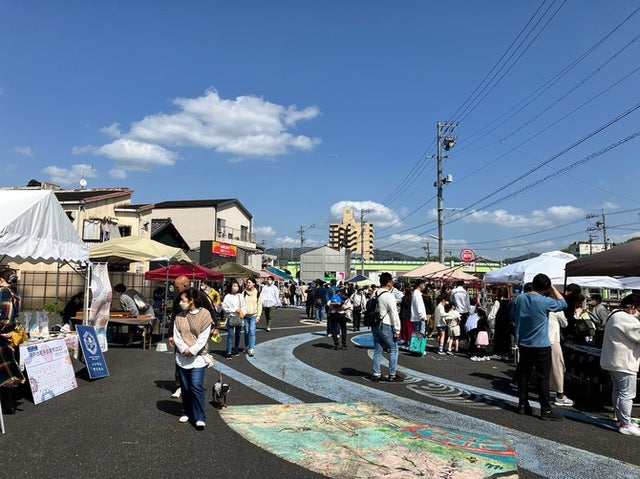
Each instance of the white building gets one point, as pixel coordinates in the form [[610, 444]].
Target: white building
[[324, 262], [585, 249]]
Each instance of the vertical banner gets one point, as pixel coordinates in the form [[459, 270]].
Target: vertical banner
[[49, 368], [93, 358], [101, 303]]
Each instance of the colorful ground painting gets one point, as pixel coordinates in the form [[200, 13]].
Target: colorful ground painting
[[361, 440]]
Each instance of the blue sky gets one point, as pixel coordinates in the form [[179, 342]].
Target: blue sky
[[301, 108]]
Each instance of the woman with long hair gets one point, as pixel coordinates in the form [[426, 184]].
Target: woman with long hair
[[235, 310]]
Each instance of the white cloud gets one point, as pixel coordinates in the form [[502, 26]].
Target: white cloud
[[66, 177], [610, 205], [244, 127], [379, 215], [23, 150], [9, 168], [538, 218], [130, 155], [264, 231], [112, 130], [117, 174], [287, 242]]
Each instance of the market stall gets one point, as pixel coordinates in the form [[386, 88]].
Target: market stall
[[438, 271], [34, 228], [195, 271], [553, 265]]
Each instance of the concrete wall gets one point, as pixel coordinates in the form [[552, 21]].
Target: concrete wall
[[194, 224]]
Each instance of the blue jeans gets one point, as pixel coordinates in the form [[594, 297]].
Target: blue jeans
[[233, 338], [250, 332], [193, 395], [320, 313], [383, 337]]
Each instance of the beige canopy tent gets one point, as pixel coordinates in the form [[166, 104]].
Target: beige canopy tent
[[132, 248], [435, 270], [235, 270]]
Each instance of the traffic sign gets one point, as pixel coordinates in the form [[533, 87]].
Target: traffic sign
[[467, 255]]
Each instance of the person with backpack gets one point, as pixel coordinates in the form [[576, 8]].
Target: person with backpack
[[254, 311], [385, 328], [339, 313]]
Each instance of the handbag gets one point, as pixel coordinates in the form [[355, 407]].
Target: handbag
[[234, 320], [18, 335], [318, 302]]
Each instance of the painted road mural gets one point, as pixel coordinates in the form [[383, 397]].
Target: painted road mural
[[360, 440]]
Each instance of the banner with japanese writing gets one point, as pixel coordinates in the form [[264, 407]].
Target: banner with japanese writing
[[49, 368]]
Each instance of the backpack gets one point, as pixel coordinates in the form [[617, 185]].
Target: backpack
[[372, 312], [336, 299]]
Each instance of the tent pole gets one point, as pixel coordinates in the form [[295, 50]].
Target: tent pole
[[87, 289], [166, 294]]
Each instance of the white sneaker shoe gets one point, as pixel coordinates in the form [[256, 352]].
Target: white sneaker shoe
[[564, 401], [486, 358], [630, 430], [475, 358], [177, 394], [200, 425], [250, 352], [183, 419]]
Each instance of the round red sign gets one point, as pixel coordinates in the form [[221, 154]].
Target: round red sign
[[467, 255]]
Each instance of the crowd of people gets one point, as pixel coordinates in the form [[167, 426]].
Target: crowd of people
[[529, 328]]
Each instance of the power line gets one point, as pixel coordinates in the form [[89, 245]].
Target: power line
[[507, 115]]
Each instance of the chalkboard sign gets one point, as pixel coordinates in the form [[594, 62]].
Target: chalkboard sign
[[49, 368], [93, 357]]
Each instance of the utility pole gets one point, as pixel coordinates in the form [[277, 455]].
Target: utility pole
[[591, 238], [447, 141], [362, 213], [426, 249], [600, 225]]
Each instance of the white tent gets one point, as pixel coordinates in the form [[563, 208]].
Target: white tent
[[552, 264], [34, 227]]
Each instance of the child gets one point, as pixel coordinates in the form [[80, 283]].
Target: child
[[453, 322], [482, 338]]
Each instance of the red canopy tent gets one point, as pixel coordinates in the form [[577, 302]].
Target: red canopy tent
[[190, 271]]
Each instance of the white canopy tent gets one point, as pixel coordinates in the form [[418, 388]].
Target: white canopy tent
[[35, 228], [552, 264]]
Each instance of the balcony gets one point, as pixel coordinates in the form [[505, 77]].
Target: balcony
[[235, 234]]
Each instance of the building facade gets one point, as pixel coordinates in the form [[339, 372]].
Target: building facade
[[357, 237], [585, 249]]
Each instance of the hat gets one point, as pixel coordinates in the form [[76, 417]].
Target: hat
[[13, 279]]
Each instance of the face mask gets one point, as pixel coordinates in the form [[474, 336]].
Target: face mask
[[184, 305]]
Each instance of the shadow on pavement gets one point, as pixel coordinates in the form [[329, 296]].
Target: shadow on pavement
[[174, 408], [167, 385], [352, 372]]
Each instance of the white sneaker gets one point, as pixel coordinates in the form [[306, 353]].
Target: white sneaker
[[564, 401], [250, 352], [475, 358], [630, 430], [177, 394], [496, 356], [486, 358], [200, 425], [183, 419]]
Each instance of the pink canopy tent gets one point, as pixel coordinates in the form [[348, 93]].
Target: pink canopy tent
[[190, 271]]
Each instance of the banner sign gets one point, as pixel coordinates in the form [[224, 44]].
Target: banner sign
[[93, 357], [49, 368], [224, 249], [101, 304]]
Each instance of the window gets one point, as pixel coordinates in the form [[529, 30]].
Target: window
[[244, 233], [220, 226], [124, 231]]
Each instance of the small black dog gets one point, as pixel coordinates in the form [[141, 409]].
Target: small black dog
[[220, 392]]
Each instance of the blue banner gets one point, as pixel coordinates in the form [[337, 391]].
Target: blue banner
[[93, 357]]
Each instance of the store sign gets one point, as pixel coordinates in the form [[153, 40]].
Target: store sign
[[93, 357], [467, 255], [224, 249]]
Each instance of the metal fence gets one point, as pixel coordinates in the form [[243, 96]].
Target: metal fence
[[37, 288]]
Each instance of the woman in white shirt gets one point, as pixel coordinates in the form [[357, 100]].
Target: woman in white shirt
[[235, 309], [190, 334]]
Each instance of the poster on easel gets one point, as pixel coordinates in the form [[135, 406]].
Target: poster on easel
[[49, 368], [93, 357]]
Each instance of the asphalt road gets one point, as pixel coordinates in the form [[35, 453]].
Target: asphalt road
[[127, 424]]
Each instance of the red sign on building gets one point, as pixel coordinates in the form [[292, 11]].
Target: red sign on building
[[224, 249]]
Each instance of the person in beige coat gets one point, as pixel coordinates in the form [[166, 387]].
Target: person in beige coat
[[621, 357], [556, 379]]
